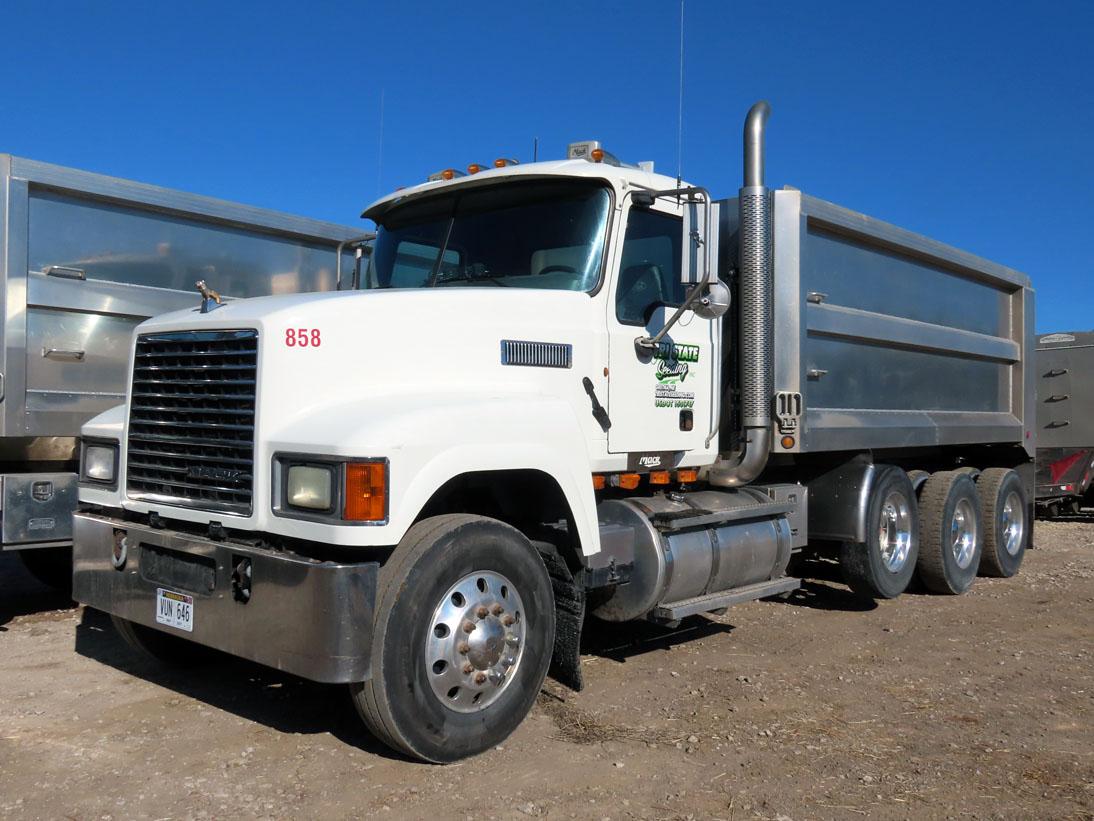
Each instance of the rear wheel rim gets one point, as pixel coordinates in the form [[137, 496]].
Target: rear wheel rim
[[963, 533], [475, 641], [895, 531], [1013, 523]]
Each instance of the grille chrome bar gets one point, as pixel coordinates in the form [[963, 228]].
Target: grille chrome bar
[[191, 420], [536, 354]]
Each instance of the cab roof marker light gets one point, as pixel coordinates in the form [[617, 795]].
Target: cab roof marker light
[[475, 168], [501, 162], [447, 174]]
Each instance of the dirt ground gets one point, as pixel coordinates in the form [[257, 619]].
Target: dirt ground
[[979, 706]]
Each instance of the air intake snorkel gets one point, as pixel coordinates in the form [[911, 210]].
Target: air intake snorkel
[[755, 317]]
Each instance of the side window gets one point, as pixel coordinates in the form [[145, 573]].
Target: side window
[[649, 275]]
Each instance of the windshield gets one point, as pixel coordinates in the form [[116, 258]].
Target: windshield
[[529, 234]]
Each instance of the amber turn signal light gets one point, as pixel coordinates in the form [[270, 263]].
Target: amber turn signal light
[[627, 481], [687, 476], [787, 442], [366, 492], [599, 482], [659, 477]]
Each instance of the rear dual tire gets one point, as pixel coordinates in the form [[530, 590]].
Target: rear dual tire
[[1006, 519], [882, 567], [951, 519]]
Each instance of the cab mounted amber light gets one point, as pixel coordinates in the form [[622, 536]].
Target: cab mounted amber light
[[366, 492]]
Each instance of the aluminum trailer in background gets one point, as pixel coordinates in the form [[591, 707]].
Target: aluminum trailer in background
[[84, 258], [1065, 417]]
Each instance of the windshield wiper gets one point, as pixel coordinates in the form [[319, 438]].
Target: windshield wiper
[[468, 276]]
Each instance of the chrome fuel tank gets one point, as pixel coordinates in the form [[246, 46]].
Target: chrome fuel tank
[[693, 544]]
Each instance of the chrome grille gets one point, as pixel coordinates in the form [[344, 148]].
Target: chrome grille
[[191, 419]]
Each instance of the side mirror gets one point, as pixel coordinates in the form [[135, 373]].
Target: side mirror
[[699, 249]]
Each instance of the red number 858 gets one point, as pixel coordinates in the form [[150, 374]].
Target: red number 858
[[303, 338]]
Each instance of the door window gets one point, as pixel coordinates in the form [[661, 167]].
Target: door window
[[649, 275]]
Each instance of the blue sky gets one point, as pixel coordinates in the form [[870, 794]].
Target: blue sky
[[971, 122]]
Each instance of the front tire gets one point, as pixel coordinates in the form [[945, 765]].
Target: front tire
[[167, 649], [1006, 520], [953, 532], [883, 566], [462, 638]]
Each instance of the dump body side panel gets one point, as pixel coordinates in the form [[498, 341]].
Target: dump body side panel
[[894, 340]]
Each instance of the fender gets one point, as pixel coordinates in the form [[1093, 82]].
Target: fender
[[428, 444], [839, 499]]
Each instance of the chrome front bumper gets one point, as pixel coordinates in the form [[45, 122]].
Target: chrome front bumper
[[309, 618]]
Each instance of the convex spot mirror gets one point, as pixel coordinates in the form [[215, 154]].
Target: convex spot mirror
[[714, 302]]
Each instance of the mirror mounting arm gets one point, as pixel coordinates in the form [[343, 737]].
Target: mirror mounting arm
[[650, 343]]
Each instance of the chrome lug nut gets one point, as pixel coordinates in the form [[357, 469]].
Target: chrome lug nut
[[468, 627], [464, 648], [497, 609], [480, 678], [508, 620], [482, 612], [467, 668]]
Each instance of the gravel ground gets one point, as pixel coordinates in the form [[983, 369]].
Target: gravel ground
[[978, 706]]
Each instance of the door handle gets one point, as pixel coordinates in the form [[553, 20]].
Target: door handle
[[65, 272], [64, 353]]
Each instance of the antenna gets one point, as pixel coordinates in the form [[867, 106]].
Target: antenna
[[380, 150], [535, 149], [680, 109]]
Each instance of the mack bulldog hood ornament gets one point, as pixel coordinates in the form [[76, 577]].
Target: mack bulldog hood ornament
[[209, 297]]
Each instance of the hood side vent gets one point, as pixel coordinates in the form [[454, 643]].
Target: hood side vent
[[537, 354]]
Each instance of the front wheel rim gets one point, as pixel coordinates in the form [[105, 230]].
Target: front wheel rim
[[963, 533], [1013, 523], [475, 641]]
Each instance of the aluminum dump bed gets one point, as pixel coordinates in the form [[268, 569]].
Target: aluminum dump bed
[[84, 258], [891, 339]]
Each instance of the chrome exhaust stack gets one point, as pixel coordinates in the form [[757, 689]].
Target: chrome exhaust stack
[[755, 318]]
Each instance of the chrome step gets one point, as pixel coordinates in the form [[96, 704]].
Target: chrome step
[[674, 611]]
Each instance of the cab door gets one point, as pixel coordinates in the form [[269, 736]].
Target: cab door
[[659, 402]]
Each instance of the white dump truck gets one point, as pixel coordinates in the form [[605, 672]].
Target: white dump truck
[[561, 390]]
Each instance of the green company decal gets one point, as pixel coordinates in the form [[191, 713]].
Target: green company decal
[[672, 361], [671, 371]]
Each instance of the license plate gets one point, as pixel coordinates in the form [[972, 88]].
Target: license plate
[[175, 609]]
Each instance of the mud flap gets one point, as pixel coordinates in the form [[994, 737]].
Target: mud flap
[[569, 617]]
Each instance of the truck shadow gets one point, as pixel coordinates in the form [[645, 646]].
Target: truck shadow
[[23, 595], [250, 691], [620, 642]]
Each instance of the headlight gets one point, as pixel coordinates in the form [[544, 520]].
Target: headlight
[[309, 487], [100, 463]]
